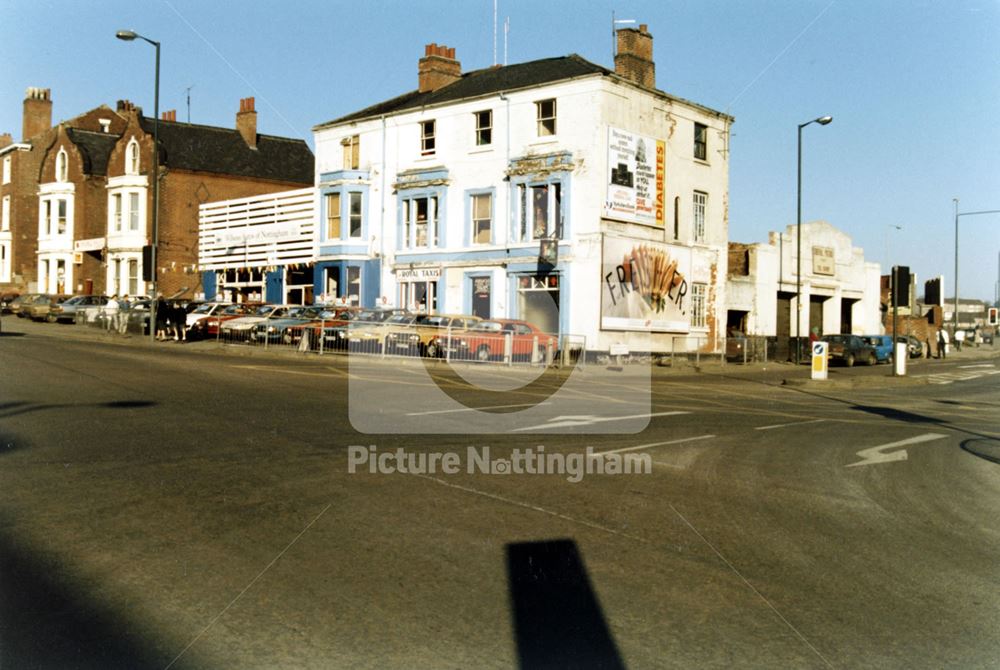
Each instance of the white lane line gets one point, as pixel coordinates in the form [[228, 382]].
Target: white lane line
[[979, 365], [785, 425], [586, 420], [474, 409], [651, 445], [874, 455]]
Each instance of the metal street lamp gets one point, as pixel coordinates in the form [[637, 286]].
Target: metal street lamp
[[823, 120], [128, 36], [957, 214]]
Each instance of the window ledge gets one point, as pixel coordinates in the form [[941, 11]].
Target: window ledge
[[482, 150]]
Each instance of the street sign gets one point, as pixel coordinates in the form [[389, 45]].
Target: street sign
[[820, 362]]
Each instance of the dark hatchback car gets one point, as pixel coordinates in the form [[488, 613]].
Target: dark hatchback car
[[849, 349]]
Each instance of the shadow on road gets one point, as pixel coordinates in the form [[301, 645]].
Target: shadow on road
[[558, 620], [9, 409], [48, 622]]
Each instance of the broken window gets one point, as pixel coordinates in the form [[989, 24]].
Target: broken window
[[427, 144], [700, 141], [482, 218], [355, 214], [546, 115], [484, 128]]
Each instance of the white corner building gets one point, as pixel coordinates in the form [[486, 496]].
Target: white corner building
[[555, 191]]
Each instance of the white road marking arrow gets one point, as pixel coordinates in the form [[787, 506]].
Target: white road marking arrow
[[874, 455], [589, 419]]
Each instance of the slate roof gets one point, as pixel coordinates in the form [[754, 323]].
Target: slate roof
[[222, 151], [94, 147], [484, 82]]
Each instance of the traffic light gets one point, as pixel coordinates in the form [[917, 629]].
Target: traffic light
[[148, 272], [901, 285], [992, 316]]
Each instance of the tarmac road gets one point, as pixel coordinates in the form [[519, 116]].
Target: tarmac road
[[181, 507]]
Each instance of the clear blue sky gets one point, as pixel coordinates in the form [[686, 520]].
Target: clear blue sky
[[913, 85]]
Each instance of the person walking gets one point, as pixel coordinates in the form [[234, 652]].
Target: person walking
[[942, 343], [111, 313]]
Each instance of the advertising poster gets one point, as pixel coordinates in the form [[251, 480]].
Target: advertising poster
[[636, 173], [644, 286]]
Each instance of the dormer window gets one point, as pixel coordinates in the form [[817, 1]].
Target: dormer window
[[62, 169], [132, 157]]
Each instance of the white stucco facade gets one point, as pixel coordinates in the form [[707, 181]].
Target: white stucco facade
[[464, 220]]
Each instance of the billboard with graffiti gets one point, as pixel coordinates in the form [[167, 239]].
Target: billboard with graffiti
[[636, 173], [644, 286]]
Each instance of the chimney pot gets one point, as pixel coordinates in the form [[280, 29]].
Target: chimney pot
[[634, 60], [246, 122], [438, 68], [37, 114]]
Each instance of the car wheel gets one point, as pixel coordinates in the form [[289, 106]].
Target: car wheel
[[849, 361], [872, 360], [286, 337], [433, 349], [483, 353], [51, 318]]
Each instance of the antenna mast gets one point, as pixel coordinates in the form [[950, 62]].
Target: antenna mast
[[189, 102]]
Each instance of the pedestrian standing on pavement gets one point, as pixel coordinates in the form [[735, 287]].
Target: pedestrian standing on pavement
[[161, 318], [959, 339], [123, 308], [111, 312], [927, 347], [178, 315]]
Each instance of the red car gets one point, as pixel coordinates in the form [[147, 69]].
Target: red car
[[486, 339], [331, 317], [208, 326]]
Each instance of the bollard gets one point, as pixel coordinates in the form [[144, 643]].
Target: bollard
[[508, 349]]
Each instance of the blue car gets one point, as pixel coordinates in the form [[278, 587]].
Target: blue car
[[882, 344]]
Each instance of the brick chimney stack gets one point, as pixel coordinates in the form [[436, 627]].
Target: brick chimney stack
[[6, 140], [438, 68], [37, 112], [169, 115], [246, 122], [634, 60]]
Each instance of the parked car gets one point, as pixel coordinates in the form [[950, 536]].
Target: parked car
[[486, 340], [330, 317], [204, 309], [75, 309], [5, 300], [914, 348], [367, 330], [240, 326], [736, 345], [18, 304], [274, 330], [849, 349], [882, 344], [209, 326], [432, 335], [39, 308]]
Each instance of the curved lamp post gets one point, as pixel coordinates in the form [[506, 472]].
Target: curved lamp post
[[823, 120], [128, 36]]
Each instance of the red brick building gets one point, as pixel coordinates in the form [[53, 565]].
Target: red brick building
[[81, 197]]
